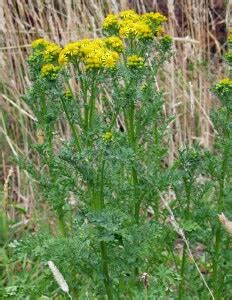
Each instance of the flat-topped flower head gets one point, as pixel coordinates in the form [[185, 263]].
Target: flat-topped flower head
[[101, 58], [114, 43], [225, 82], [143, 30], [72, 49], [110, 59], [50, 71], [88, 46], [93, 59], [129, 15], [155, 18], [40, 43], [224, 89], [129, 24], [135, 61], [110, 22], [52, 52], [130, 29]]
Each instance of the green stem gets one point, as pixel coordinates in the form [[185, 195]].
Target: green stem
[[103, 245], [184, 255], [84, 89], [105, 269], [92, 102], [146, 293], [72, 125], [220, 207], [62, 226], [47, 127], [182, 274], [91, 110], [73, 98], [132, 139]]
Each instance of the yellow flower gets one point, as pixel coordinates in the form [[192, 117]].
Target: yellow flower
[[156, 18], [72, 49], [107, 136], [225, 81], [134, 29], [115, 43], [51, 52], [88, 46], [127, 29], [135, 61], [111, 21], [39, 42], [49, 70], [159, 31], [143, 30], [129, 15], [63, 59], [224, 86], [93, 59], [110, 59]]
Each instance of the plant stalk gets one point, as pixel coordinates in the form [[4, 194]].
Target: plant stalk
[[73, 127], [103, 245], [184, 255], [62, 226], [220, 208]]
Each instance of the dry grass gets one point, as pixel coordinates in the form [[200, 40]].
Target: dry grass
[[186, 78]]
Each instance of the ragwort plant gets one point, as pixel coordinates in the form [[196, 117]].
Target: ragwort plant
[[112, 165], [201, 182], [105, 182], [220, 167]]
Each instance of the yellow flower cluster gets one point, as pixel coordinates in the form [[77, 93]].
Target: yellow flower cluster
[[225, 81], [111, 21], [39, 42], [115, 43], [46, 54], [50, 71], [224, 86], [94, 54], [135, 61], [129, 28], [128, 24], [129, 15], [51, 52], [101, 53], [107, 136], [156, 18]]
